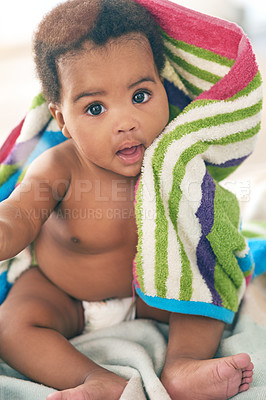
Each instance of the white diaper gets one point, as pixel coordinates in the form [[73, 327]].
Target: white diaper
[[103, 314], [97, 314]]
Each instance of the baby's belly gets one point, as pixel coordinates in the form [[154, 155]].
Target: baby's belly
[[90, 277]]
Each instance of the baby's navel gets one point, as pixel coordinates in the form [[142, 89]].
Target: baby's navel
[[75, 239]]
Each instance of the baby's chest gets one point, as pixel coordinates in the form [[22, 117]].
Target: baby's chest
[[94, 224]]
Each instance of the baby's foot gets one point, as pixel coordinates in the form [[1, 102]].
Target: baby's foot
[[99, 385], [216, 379]]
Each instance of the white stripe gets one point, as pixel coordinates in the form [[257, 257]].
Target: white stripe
[[174, 264], [222, 131], [219, 154], [213, 109], [206, 65], [35, 120], [241, 290], [193, 79], [148, 230], [170, 74], [189, 230], [53, 126], [3, 266], [242, 253]]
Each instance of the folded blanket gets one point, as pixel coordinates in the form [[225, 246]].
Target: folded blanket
[[191, 255]]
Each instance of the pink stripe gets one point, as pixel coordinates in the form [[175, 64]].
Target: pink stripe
[[192, 27], [135, 278], [136, 189], [239, 76], [248, 279], [10, 141]]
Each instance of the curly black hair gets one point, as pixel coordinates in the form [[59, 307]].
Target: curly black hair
[[70, 24]]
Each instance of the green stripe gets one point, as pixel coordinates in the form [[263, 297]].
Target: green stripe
[[23, 173], [252, 234], [6, 171], [239, 136], [220, 173], [37, 101], [196, 91], [225, 240], [237, 115], [260, 224], [192, 69], [194, 126], [226, 289], [161, 236], [253, 85], [174, 111], [139, 258], [198, 51], [247, 273]]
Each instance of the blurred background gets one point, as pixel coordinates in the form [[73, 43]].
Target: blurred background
[[18, 83]]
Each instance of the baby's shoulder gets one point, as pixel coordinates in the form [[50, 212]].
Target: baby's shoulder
[[56, 162]]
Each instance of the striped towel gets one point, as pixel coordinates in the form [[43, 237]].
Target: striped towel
[[35, 134], [191, 256]]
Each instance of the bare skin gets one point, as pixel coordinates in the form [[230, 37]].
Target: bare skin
[[77, 204]]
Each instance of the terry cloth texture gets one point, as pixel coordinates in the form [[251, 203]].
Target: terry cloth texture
[[191, 256]]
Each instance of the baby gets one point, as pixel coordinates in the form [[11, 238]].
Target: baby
[[100, 65]]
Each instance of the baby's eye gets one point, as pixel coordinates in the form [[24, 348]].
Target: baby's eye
[[141, 97], [96, 109]]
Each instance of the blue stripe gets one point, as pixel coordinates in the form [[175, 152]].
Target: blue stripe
[[5, 286], [246, 263], [230, 163], [8, 187], [188, 307], [258, 249], [48, 140], [175, 96]]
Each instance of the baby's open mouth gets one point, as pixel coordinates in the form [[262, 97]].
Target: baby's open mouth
[[131, 155]]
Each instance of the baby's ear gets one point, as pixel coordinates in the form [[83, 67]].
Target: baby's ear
[[58, 116]]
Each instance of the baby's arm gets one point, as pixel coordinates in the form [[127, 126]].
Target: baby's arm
[[30, 204]]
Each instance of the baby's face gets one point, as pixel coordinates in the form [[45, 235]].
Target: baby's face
[[113, 103]]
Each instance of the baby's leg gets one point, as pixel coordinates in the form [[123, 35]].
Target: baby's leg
[[190, 372], [35, 321]]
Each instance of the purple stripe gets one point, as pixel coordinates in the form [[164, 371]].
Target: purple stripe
[[21, 151], [175, 96], [231, 163], [205, 256]]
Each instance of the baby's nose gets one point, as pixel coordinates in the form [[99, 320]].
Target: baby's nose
[[126, 123], [127, 128]]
